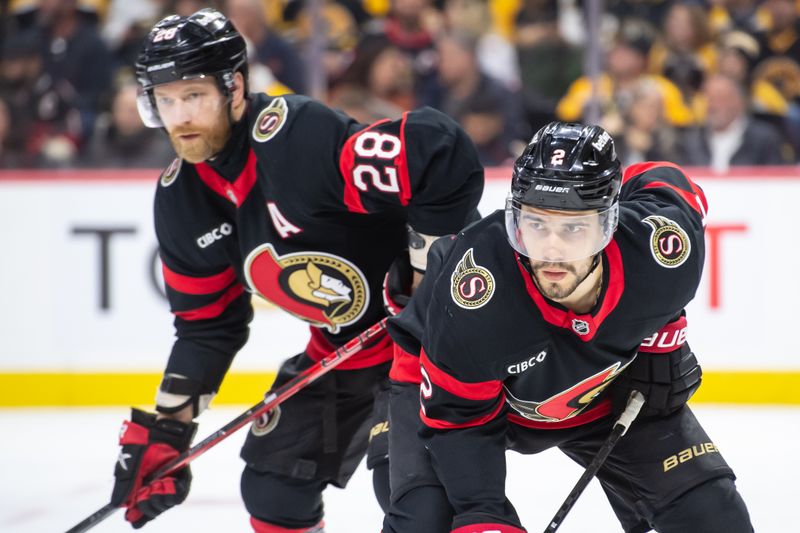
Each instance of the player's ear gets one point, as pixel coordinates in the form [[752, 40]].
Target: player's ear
[[237, 94]]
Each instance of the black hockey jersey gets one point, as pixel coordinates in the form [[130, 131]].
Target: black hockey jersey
[[493, 350], [306, 208]]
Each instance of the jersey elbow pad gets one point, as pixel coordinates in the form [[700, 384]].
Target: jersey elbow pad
[[177, 392], [418, 246]]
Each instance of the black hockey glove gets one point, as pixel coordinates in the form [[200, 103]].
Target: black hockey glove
[[397, 285], [147, 444], [665, 371]]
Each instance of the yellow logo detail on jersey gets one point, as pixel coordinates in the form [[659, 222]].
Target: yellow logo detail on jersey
[[688, 454], [472, 285], [171, 172], [669, 243], [270, 120], [377, 429], [320, 288], [568, 403]]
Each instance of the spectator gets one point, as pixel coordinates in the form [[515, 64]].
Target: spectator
[[730, 136], [496, 56], [410, 26], [646, 136], [782, 36], [8, 157], [75, 59], [626, 65], [483, 120], [271, 49], [685, 33], [739, 54], [685, 53], [467, 91], [122, 141], [20, 68], [729, 15], [784, 75], [378, 84], [548, 64]]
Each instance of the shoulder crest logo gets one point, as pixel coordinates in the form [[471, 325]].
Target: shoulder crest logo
[[472, 285], [669, 243], [171, 172], [270, 121]]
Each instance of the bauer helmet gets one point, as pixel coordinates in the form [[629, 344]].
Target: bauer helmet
[[567, 183], [204, 44]]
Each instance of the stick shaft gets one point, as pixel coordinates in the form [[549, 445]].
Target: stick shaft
[[635, 402], [274, 398]]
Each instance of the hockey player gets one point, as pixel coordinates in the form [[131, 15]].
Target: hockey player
[[288, 200], [531, 329]]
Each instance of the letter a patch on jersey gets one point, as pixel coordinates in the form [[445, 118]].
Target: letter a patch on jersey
[[669, 243], [472, 285]]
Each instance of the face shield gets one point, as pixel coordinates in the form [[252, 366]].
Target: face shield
[[180, 101], [559, 236]]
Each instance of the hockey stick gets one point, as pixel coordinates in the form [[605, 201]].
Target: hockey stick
[[635, 402], [274, 398]]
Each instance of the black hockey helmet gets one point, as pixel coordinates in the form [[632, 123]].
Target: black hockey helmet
[[180, 48], [566, 167]]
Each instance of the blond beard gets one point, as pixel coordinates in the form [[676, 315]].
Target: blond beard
[[209, 143]]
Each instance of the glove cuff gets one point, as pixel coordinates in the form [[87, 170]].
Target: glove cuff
[[170, 431]]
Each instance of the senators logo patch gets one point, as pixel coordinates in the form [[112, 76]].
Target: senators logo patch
[[472, 285], [323, 289], [171, 172], [669, 243], [568, 403], [270, 120]]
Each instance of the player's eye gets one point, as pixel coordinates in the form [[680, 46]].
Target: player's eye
[[574, 228], [164, 101]]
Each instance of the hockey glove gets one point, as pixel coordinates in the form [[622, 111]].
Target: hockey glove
[[665, 371], [148, 443], [397, 285]]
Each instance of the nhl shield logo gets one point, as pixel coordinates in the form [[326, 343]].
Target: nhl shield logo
[[669, 243], [270, 120], [581, 327], [472, 285], [323, 289]]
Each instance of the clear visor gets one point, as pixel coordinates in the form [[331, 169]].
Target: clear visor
[[180, 102], [559, 236]]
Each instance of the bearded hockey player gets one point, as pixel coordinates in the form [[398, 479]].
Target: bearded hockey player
[[288, 200], [530, 330]]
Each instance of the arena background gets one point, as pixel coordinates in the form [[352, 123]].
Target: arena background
[[84, 323]]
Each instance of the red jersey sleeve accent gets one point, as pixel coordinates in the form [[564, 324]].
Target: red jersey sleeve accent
[[444, 424], [667, 339], [347, 161], [488, 527], [193, 285], [213, 309], [237, 191], [484, 390], [696, 199], [401, 163], [640, 168], [405, 367]]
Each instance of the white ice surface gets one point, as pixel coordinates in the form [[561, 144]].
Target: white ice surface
[[56, 468]]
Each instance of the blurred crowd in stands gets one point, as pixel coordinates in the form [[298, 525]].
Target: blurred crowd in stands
[[711, 83]]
